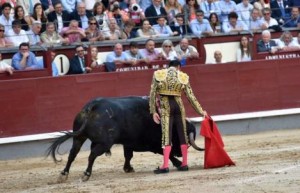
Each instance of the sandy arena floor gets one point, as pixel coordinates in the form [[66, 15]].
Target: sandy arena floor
[[266, 162]]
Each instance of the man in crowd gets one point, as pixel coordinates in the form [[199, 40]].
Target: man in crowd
[[155, 10], [77, 63], [25, 59], [81, 15], [74, 33], [161, 28], [200, 26], [6, 19], [234, 25], [280, 10], [34, 33], [255, 22], [294, 20], [184, 50], [218, 57], [134, 55], [209, 6], [16, 35], [59, 16], [265, 44], [150, 52]]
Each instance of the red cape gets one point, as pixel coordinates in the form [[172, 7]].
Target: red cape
[[215, 155]]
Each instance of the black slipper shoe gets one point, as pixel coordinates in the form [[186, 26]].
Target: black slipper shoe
[[183, 168], [161, 171]]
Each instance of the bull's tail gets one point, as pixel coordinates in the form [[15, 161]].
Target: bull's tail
[[54, 148]]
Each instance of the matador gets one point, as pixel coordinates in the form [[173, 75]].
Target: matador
[[168, 85]]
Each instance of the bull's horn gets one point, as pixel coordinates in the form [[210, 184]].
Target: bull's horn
[[193, 144]]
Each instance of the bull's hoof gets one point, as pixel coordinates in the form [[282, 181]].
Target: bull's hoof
[[128, 169], [62, 177], [86, 176]]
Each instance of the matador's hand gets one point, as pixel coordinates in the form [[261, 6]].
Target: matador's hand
[[156, 118], [204, 113]]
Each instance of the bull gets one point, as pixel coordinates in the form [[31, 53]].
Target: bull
[[109, 121]]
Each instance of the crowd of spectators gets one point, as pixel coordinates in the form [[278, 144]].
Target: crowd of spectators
[[99, 20], [50, 22]]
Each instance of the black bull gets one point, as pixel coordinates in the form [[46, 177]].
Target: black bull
[[109, 121]]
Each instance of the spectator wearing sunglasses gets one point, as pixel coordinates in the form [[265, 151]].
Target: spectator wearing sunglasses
[[267, 20], [93, 33], [3, 41]]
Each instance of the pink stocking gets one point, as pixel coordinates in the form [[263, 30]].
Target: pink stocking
[[167, 151], [184, 153]]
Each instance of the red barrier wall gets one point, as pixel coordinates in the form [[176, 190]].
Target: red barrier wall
[[40, 105]]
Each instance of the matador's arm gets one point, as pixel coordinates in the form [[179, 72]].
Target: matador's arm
[[152, 100], [192, 99]]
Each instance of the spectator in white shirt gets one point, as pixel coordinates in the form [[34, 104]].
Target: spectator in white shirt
[[286, 43], [162, 29], [256, 23], [16, 35], [267, 20], [200, 26], [209, 6], [226, 7], [234, 25], [243, 10], [6, 18], [168, 51], [34, 33]]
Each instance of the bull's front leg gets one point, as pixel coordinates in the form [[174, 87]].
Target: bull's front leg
[[128, 154]]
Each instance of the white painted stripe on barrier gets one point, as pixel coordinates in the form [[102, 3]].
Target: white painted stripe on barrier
[[228, 117], [35, 137], [251, 115]]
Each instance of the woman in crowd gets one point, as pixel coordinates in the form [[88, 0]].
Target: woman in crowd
[[92, 32], [39, 15], [146, 31], [168, 51], [173, 8], [94, 54], [244, 51], [3, 41], [100, 14], [214, 22], [19, 14], [128, 32], [189, 9]]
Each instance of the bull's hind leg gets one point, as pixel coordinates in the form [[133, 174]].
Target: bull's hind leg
[[97, 150], [77, 143], [128, 154]]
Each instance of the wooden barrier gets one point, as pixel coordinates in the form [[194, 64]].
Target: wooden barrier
[[42, 105]]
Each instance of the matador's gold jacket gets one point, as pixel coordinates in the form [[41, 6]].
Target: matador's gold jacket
[[171, 82]]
